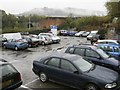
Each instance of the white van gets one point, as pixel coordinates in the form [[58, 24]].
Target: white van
[[91, 34], [9, 36]]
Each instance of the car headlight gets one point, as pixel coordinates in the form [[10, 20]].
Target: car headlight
[[112, 85]]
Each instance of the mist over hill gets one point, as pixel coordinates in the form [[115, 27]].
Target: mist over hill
[[74, 12]]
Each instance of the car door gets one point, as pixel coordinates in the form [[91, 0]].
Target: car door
[[52, 68], [79, 51], [93, 56], [116, 52], [69, 74], [10, 43]]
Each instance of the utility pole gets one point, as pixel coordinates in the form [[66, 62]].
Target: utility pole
[[29, 23]]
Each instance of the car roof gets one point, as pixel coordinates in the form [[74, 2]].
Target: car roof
[[85, 46], [107, 40], [108, 45], [67, 56]]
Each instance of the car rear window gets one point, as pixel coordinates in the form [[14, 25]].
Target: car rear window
[[6, 69]]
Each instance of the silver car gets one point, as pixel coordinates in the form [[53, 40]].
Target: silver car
[[44, 40]]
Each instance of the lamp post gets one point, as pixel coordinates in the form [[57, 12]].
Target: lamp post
[[29, 23]]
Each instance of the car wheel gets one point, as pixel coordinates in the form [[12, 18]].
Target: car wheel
[[16, 48], [29, 45], [4, 47], [43, 77], [43, 43], [91, 87]]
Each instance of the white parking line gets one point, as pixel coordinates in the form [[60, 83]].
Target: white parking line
[[22, 86], [31, 81], [14, 61]]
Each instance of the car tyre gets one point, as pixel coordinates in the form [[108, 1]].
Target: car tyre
[[43, 77], [30, 45], [4, 47], [16, 48], [91, 87], [43, 43]]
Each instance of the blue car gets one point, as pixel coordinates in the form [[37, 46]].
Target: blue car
[[15, 44], [111, 49], [96, 55], [71, 33]]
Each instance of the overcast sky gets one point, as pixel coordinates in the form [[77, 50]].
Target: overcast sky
[[20, 6]]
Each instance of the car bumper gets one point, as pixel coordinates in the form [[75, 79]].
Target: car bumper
[[56, 41]]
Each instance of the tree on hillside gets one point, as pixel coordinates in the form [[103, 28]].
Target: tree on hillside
[[114, 11]]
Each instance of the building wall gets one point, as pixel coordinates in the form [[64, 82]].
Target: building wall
[[45, 23]]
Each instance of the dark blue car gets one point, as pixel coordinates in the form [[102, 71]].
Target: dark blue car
[[74, 71], [71, 33], [96, 55], [111, 49]]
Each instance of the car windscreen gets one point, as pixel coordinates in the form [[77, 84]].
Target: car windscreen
[[83, 65], [6, 69], [102, 53]]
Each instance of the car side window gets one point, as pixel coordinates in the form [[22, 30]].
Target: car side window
[[79, 51], [116, 49], [71, 50], [102, 42], [66, 65], [91, 53], [109, 49], [54, 62], [110, 43]]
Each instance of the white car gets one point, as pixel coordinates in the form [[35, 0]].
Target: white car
[[55, 39], [79, 33], [92, 33], [107, 41]]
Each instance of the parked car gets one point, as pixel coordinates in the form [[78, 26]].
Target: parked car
[[96, 37], [96, 55], [15, 44], [72, 33], [63, 32], [79, 33], [55, 39], [85, 34], [111, 49], [91, 34], [107, 41], [74, 71], [32, 41], [10, 78], [2, 41], [44, 40]]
